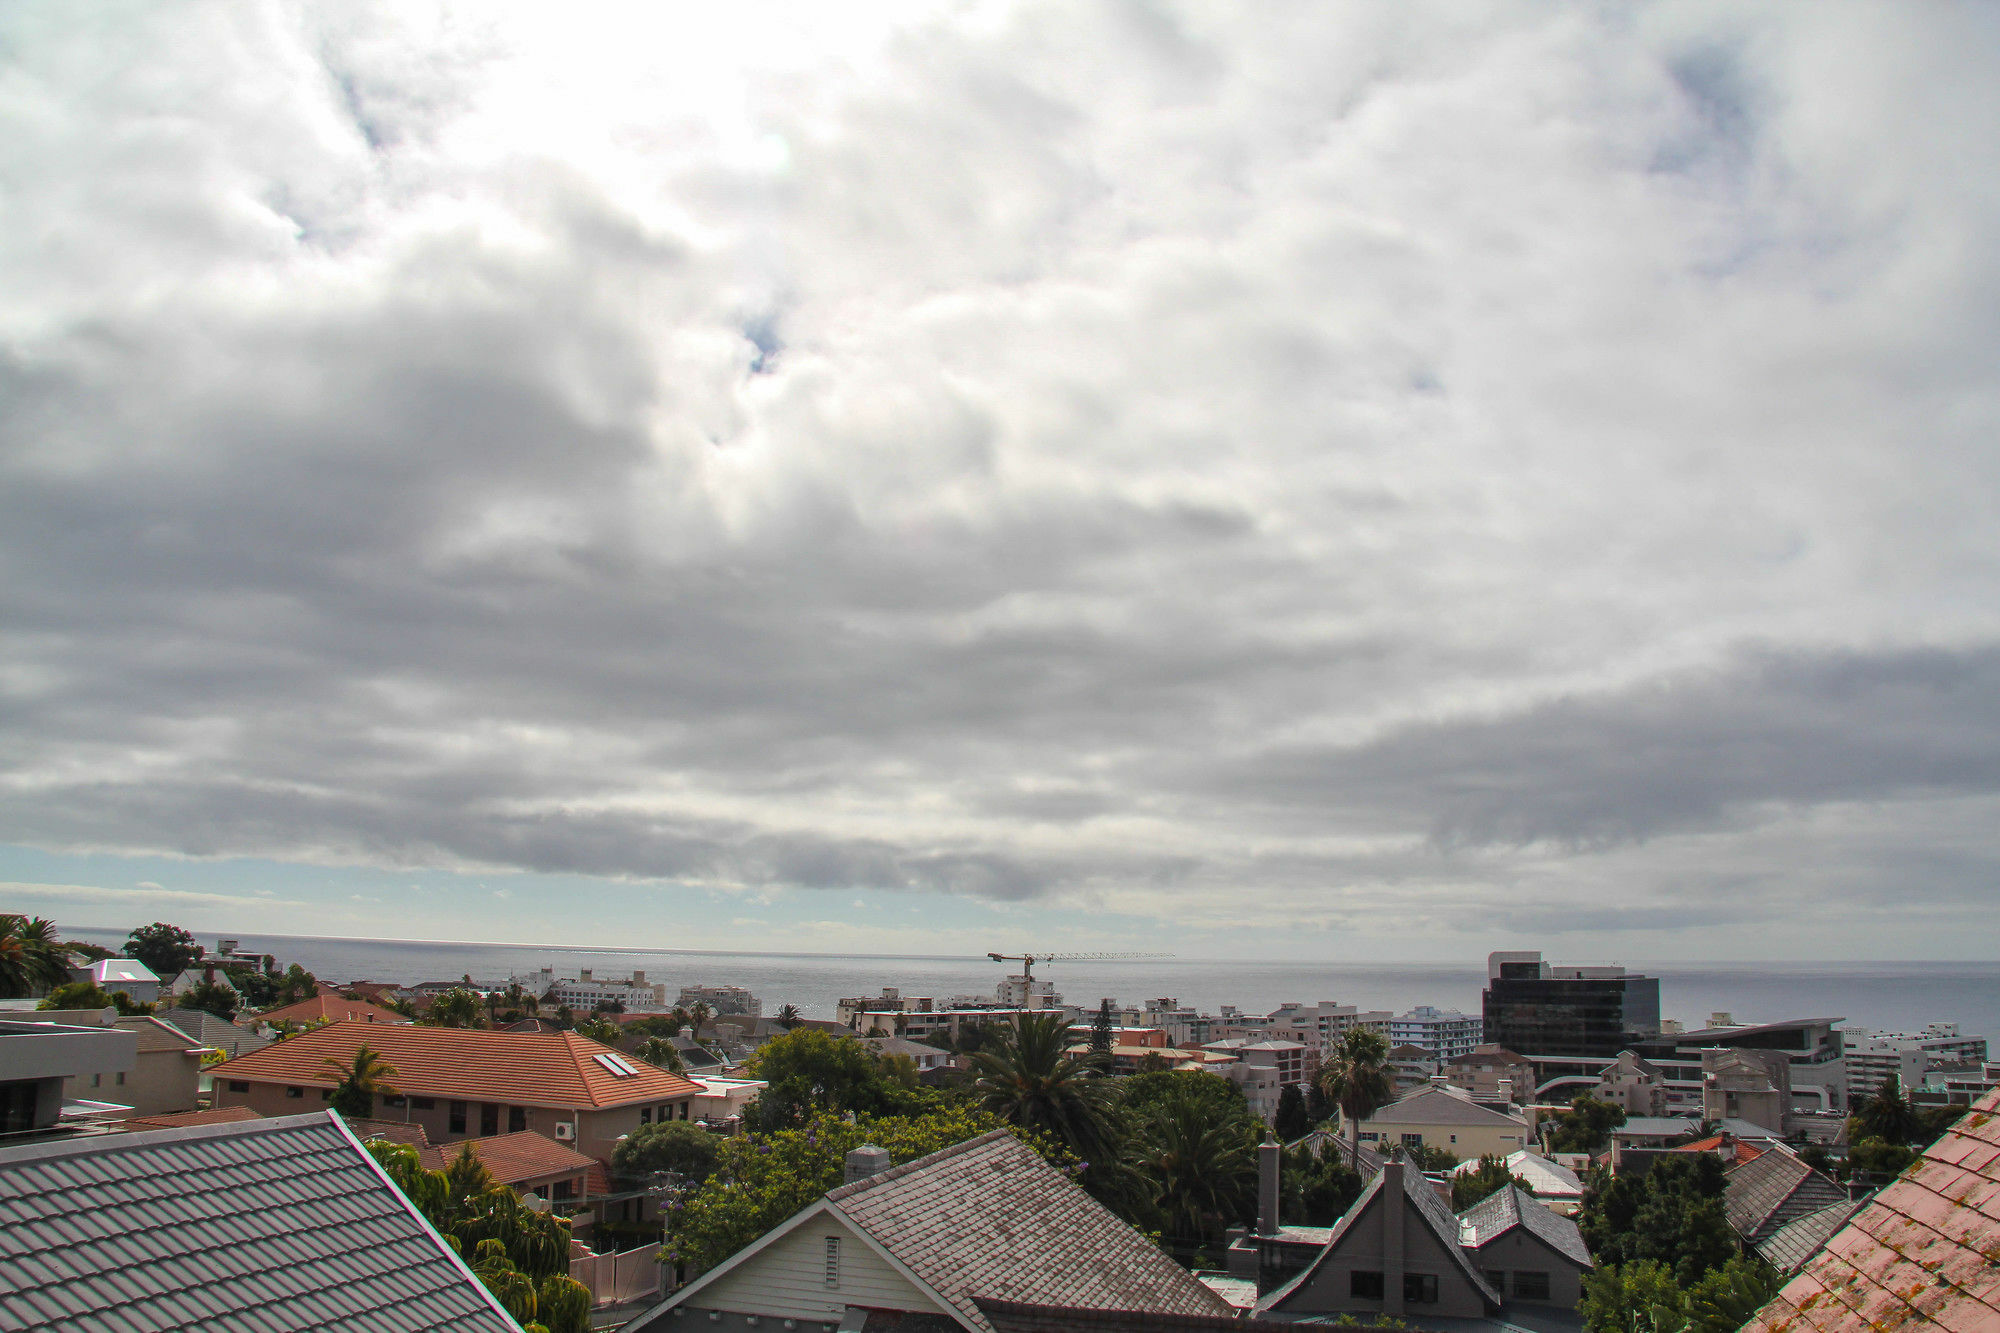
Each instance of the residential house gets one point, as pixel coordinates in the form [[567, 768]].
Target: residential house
[[165, 1073], [1414, 1067], [920, 1244], [1395, 1251], [527, 1163], [1750, 1085], [217, 1034], [720, 999], [121, 974], [39, 1059], [724, 1101], [1529, 1254], [1773, 1189], [1553, 1185], [1441, 1116], [927, 1058], [325, 1007], [264, 1224], [1632, 1084], [461, 1083], [1491, 1072], [1918, 1256]]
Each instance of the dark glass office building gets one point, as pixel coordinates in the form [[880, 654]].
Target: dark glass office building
[[1590, 1012]]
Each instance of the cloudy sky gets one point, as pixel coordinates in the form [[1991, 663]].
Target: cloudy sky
[[1348, 481]]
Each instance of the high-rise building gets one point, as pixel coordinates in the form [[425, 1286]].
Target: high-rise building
[[1570, 1021], [1445, 1033]]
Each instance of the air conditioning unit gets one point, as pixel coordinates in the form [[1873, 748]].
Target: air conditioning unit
[[565, 1129]]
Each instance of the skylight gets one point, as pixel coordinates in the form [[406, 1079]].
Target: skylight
[[616, 1064]]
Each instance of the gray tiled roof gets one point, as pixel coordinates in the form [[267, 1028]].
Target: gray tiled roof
[[1790, 1247], [282, 1224], [209, 1030], [990, 1218], [1367, 1163], [1505, 1209], [1437, 1216], [1763, 1195]]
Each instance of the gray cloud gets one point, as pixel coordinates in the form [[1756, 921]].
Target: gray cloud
[[1095, 456]]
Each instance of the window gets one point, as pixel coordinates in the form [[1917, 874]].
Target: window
[[424, 1103], [1364, 1285], [489, 1119], [517, 1119], [238, 1085], [1420, 1287], [97, 1080], [326, 1094], [1413, 1140], [564, 1189], [833, 1261], [121, 1078], [295, 1092], [394, 1099], [1531, 1286], [458, 1117], [645, 1115], [1369, 1136], [1454, 1138]]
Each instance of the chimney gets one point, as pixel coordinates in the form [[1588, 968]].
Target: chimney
[[1506, 1089], [865, 1161], [1392, 1203], [1268, 1155]]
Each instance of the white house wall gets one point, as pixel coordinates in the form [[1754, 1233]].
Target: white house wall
[[788, 1279]]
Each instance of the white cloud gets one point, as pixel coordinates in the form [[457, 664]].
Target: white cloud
[[1261, 470]]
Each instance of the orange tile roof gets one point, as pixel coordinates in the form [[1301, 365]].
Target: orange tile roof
[[1924, 1254], [512, 1158], [553, 1069], [327, 1007], [220, 1115], [1744, 1152]]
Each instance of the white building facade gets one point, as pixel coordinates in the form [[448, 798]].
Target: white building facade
[[1446, 1033]]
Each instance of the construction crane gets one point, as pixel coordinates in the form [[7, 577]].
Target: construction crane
[[1028, 960]]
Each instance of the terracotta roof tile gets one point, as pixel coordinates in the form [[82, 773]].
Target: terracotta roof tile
[[512, 1158], [326, 1007], [552, 1069], [1923, 1254], [221, 1115]]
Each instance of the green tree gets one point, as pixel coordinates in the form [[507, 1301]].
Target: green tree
[[1586, 1126], [1100, 1032], [760, 1179], [660, 1051], [1887, 1116], [1317, 1188], [1644, 1297], [458, 1007], [361, 1079], [807, 1071], [31, 957], [212, 997], [89, 995], [163, 948], [698, 1014], [789, 1017], [600, 1029], [1221, 1099], [1356, 1078], [679, 1146], [1292, 1121], [1491, 1174], [1876, 1161], [1030, 1079], [1428, 1157], [1673, 1213], [1203, 1170]]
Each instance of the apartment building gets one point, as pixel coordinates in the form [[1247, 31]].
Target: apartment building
[[586, 990], [719, 999], [1445, 1033], [1873, 1056]]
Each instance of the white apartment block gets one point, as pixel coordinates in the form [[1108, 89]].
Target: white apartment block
[[722, 1000], [1445, 1033], [584, 991], [1872, 1056]]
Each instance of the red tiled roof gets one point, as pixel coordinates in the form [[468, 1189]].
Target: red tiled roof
[[1920, 1255], [328, 1007], [512, 1158], [220, 1115], [553, 1069], [395, 1131], [1744, 1152]]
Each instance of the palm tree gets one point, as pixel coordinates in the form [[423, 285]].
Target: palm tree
[[32, 959], [1029, 1078], [1887, 1115], [699, 1013], [1203, 1170], [789, 1017], [1356, 1078], [361, 1080], [456, 1008]]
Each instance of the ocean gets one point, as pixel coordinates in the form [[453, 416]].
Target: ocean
[[1890, 996]]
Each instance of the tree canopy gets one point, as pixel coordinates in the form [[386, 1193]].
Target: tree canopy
[[679, 1146], [1491, 1174], [1031, 1079], [361, 1080], [1586, 1126], [164, 948], [808, 1071], [1355, 1077], [1671, 1214], [89, 995], [32, 959], [212, 997]]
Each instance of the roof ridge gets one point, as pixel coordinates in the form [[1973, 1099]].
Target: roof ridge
[[110, 1143], [914, 1165]]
